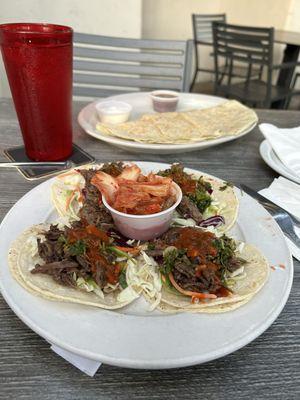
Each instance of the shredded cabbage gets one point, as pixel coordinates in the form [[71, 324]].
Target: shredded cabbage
[[110, 287], [62, 222], [141, 276], [183, 222], [33, 252], [233, 277], [239, 274], [214, 209], [240, 247], [63, 188], [32, 244], [89, 285]]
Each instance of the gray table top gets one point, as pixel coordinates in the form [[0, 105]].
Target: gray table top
[[266, 368]]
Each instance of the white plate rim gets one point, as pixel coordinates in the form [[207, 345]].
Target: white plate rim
[[173, 363], [151, 146], [274, 162]]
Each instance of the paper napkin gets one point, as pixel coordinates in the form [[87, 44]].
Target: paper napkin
[[286, 145], [85, 365], [286, 194]]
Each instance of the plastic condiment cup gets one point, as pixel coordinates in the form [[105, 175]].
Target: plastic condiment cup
[[145, 227], [164, 100], [113, 112]]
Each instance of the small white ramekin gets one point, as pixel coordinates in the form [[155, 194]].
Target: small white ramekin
[[113, 112], [144, 227]]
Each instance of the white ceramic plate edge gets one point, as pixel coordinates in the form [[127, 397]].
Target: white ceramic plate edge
[[266, 151]]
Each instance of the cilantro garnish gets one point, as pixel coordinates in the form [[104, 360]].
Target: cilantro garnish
[[78, 248], [170, 256]]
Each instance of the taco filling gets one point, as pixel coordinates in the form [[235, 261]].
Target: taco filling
[[83, 257], [196, 263], [93, 211], [198, 203]]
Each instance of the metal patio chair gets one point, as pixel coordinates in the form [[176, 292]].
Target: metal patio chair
[[105, 66], [203, 36], [251, 47]]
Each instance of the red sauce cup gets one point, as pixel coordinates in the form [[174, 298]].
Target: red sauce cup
[[164, 100]]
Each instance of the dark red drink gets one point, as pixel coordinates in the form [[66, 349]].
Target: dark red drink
[[38, 63]]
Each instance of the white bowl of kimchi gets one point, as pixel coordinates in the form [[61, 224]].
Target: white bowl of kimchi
[[145, 227], [141, 206]]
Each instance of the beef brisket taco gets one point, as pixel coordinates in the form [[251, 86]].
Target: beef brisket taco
[[79, 264], [203, 272], [205, 202]]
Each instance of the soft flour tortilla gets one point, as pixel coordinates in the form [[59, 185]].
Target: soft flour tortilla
[[133, 130], [257, 272], [227, 199], [21, 261], [58, 198], [227, 119], [221, 308], [172, 127]]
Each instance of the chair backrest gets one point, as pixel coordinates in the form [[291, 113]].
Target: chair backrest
[[245, 45], [202, 27], [105, 66]]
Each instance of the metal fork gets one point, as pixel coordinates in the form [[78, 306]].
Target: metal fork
[[285, 221]]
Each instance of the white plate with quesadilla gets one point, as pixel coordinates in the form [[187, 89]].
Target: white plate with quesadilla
[[201, 121]]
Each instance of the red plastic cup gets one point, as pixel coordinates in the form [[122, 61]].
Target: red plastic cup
[[38, 63]]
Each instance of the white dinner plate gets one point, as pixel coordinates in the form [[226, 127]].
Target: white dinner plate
[[141, 104], [270, 158], [133, 336]]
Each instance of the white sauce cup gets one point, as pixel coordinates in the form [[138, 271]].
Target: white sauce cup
[[113, 112], [145, 227]]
